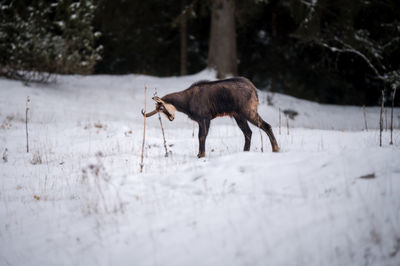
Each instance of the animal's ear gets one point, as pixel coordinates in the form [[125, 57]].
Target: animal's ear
[[157, 99]]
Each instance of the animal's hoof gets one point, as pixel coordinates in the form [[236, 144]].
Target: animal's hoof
[[201, 155], [275, 149]]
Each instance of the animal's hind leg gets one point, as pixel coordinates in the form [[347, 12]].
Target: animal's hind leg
[[256, 120], [244, 126]]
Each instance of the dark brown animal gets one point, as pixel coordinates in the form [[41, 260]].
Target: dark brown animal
[[206, 100]]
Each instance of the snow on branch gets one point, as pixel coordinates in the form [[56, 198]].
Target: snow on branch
[[346, 48]]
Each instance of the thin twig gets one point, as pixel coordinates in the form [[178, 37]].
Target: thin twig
[[381, 119], [144, 131], [386, 123], [26, 123], [391, 117], [365, 119], [279, 109], [262, 143], [287, 123]]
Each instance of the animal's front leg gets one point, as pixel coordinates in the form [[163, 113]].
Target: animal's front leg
[[204, 125]]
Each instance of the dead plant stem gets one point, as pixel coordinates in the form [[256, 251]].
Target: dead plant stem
[[144, 131]]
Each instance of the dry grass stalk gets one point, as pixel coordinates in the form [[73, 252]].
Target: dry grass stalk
[[287, 123], [163, 135], [262, 143], [144, 131], [368, 176], [5, 155], [391, 117], [365, 119], [279, 109], [386, 123], [162, 129], [36, 158], [381, 118], [26, 123]]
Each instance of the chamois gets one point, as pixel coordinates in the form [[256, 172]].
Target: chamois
[[206, 100]]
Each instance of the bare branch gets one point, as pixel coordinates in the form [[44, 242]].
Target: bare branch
[[349, 49]]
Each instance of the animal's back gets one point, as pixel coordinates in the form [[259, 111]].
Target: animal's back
[[228, 96]]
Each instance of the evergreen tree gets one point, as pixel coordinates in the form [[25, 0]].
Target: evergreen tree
[[77, 51], [46, 37]]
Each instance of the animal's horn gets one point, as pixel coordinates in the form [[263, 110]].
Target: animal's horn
[[149, 114]]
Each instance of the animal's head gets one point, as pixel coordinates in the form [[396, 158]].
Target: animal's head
[[167, 109]]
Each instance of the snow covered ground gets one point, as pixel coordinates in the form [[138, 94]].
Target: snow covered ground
[[330, 197]]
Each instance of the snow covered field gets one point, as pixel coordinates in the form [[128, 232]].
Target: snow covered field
[[330, 197]]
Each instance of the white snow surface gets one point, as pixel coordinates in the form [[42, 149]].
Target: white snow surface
[[331, 196]]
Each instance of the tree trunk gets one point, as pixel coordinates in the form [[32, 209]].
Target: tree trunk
[[183, 35], [222, 51]]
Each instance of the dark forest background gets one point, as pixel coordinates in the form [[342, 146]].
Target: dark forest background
[[330, 51]]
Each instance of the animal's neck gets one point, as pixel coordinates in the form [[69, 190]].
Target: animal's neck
[[177, 99]]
